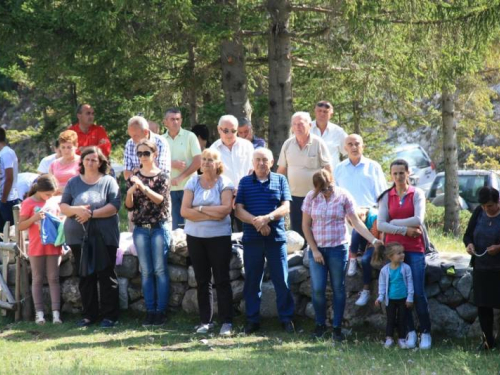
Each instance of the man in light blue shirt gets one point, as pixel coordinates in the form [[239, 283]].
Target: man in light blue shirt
[[365, 180]]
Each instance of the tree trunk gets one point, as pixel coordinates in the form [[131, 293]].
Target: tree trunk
[[234, 78], [192, 86], [451, 202], [280, 74], [356, 112]]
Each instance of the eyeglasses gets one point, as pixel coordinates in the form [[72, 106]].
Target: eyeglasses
[[327, 189], [140, 154], [323, 105], [225, 131]]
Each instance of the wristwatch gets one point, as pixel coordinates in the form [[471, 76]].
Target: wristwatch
[[271, 217]]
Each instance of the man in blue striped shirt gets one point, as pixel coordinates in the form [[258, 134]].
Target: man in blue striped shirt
[[262, 202]]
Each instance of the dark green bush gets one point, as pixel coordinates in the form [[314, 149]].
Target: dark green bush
[[434, 218]]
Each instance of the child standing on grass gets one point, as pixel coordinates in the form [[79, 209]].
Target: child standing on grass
[[44, 259], [395, 288]]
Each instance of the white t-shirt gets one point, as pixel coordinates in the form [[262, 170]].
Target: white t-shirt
[[237, 161], [44, 165], [334, 137], [24, 182], [8, 159]]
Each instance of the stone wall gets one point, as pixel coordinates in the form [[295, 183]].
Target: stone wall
[[450, 294]]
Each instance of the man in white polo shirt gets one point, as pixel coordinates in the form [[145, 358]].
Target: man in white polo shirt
[[333, 135], [236, 154], [301, 156]]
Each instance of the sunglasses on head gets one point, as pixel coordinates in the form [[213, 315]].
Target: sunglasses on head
[[323, 105], [140, 154], [225, 131]]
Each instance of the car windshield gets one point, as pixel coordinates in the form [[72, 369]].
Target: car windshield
[[468, 187], [414, 157]]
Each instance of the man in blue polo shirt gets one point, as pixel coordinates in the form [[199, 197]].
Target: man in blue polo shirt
[[262, 201]]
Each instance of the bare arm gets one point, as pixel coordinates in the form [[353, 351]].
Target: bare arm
[[220, 212], [361, 228], [281, 170], [9, 180], [308, 234], [25, 222], [105, 211]]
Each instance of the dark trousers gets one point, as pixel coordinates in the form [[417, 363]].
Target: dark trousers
[[6, 213], [212, 255], [396, 315], [296, 214], [485, 315], [236, 223], [108, 288]]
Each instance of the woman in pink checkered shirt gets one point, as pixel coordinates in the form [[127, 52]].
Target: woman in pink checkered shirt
[[323, 221]]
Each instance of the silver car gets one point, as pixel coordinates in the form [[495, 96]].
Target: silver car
[[422, 168], [469, 184]]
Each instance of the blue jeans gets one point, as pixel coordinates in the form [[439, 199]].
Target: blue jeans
[[416, 261], [367, 267], [296, 214], [152, 248], [176, 199], [335, 264], [254, 253], [358, 243]]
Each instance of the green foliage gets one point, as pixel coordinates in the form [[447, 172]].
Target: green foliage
[[434, 218]]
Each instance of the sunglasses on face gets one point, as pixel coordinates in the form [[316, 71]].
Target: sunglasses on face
[[140, 154], [323, 105], [225, 131]]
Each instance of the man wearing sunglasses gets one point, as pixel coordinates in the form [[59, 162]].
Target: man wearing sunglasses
[[186, 159], [236, 154], [301, 156], [333, 135]]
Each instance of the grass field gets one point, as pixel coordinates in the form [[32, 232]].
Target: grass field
[[26, 348]]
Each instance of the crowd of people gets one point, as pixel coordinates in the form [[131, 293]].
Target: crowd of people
[[181, 180]]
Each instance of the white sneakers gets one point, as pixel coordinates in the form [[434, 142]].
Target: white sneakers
[[364, 297], [226, 329], [39, 318], [389, 341], [353, 266], [411, 340], [425, 341], [56, 317], [204, 328]]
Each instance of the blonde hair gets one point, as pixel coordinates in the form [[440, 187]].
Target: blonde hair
[[214, 154], [392, 248], [68, 136]]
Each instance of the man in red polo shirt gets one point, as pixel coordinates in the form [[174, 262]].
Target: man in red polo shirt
[[90, 134]]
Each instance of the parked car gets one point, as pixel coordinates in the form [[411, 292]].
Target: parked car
[[422, 169], [469, 184]]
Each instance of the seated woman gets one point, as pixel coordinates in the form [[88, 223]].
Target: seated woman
[[206, 206], [482, 241], [325, 210], [68, 165], [147, 198], [94, 195]]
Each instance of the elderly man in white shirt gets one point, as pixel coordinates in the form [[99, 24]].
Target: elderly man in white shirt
[[236, 154], [333, 135]]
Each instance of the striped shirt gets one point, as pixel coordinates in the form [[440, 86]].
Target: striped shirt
[[261, 198], [328, 217], [131, 161]]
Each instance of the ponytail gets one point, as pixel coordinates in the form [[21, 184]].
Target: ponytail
[[385, 192], [45, 182]]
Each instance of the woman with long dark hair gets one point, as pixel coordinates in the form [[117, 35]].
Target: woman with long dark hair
[[401, 217]]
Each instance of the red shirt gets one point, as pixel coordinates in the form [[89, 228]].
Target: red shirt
[[35, 247], [404, 210], [96, 136]]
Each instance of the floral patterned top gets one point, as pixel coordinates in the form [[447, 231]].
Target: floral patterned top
[[144, 210]]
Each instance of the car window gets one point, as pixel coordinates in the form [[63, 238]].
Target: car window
[[468, 187], [414, 157]]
